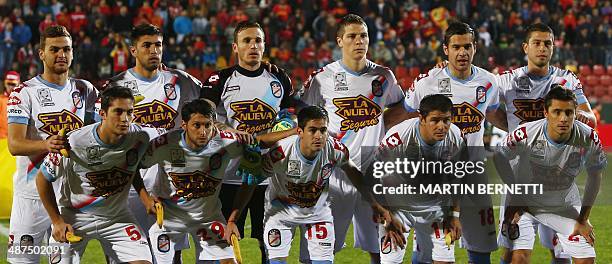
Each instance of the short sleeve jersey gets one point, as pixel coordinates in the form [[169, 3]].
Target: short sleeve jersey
[[96, 178], [355, 103], [299, 186], [46, 108], [191, 178]]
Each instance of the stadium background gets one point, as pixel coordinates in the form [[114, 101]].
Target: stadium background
[[300, 37]]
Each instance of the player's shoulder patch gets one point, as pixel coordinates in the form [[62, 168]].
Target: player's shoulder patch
[[55, 158], [312, 76], [226, 135], [277, 154], [393, 140], [595, 137], [218, 76], [20, 87]]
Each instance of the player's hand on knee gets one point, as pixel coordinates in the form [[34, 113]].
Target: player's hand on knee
[[512, 214], [584, 229], [59, 231], [394, 231], [231, 228]]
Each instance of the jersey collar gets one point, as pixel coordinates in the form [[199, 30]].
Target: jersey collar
[[142, 78], [448, 72], [304, 159], [365, 69], [248, 73], [52, 85]]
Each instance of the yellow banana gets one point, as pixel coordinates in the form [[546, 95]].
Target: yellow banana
[[160, 214], [236, 246], [138, 98], [72, 238], [64, 152]]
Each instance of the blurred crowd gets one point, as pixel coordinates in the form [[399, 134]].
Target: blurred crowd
[[300, 34]]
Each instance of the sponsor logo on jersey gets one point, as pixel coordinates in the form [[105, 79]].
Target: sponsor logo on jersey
[[253, 115], [277, 154], [444, 86], [177, 158], [226, 134], [377, 89], [109, 182], [467, 117], [53, 122], [528, 110], [595, 137], [170, 90], [155, 113], [519, 134], [132, 85], [340, 83], [14, 111], [193, 185], [44, 96], [232, 88], [523, 85], [77, 100], [481, 94], [294, 168], [393, 140], [274, 237], [163, 243], [357, 112], [93, 153], [277, 89], [304, 194], [13, 100]]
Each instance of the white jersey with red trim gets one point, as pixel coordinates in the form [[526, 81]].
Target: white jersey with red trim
[[97, 176], [524, 93], [191, 178], [471, 98], [46, 108], [164, 95], [554, 165], [299, 186], [355, 103], [404, 142]]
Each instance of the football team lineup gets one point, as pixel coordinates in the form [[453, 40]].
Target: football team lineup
[[156, 157]]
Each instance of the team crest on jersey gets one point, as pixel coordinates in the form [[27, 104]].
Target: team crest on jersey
[[528, 110], [326, 172], [54, 122], [109, 182], [277, 89], [253, 115], [340, 83], [467, 117], [377, 88], [77, 100], [523, 85], [156, 114], [215, 161], [304, 194], [385, 248], [274, 237], [132, 85], [177, 158], [163, 243], [193, 185], [170, 90], [44, 96], [357, 112], [294, 168], [538, 150], [444, 86], [481, 94]]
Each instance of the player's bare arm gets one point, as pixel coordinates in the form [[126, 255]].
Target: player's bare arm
[[243, 196], [498, 118], [396, 114], [47, 196], [147, 200], [395, 229], [583, 227], [19, 145], [585, 114]]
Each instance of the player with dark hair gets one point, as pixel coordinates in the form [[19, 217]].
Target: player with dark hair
[[551, 152], [96, 175], [37, 110]]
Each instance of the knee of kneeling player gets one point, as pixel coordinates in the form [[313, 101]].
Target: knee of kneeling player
[[321, 262], [479, 258]]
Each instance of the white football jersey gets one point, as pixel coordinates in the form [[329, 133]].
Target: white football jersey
[[298, 186], [191, 179], [404, 142], [355, 103], [554, 165], [96, 177], [524, 93], [471, 98], [46, 108], [248, 101]]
